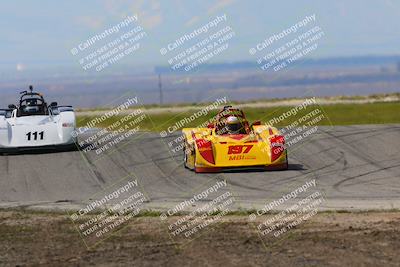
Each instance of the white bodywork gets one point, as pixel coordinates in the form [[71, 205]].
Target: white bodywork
[[57, 128]]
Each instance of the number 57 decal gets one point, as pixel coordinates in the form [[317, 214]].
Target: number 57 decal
[[35, 135], [239, 149]]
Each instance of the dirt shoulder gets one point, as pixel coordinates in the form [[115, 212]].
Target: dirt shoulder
[[327, 239]]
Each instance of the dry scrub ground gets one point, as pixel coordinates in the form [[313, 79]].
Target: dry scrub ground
[[327, 239]]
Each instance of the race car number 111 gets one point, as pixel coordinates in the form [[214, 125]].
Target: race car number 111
[[35, 135]]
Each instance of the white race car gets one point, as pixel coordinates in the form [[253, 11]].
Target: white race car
[[34, 124]]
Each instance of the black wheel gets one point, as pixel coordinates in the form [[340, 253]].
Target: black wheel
[[287, 163], [185, 157]]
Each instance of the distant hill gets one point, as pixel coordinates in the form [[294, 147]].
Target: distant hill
[[323, 62]]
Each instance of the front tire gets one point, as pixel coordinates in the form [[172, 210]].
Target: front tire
[[185, 157]]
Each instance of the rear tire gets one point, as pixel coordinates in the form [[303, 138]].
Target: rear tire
[[287, 163], [185, 157]]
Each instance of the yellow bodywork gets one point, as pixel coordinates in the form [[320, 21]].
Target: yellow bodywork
[[230, 151]]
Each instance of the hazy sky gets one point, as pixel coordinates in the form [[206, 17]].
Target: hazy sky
[[45, 31]]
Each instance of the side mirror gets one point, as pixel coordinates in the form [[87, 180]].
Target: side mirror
[[54, 104], [12, 106], [256, 123], [210, 125]]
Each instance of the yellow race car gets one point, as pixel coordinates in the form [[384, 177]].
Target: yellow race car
[[229, 142]]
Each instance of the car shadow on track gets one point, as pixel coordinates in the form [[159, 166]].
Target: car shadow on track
[[292, 167], [296, 167], [39, 150]]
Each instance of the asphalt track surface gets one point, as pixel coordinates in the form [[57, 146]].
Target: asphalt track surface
[[355, 167]]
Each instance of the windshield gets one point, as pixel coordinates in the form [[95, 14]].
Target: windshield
[[32, 106]]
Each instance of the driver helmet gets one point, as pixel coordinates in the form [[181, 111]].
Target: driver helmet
[[31, 102], [31, 106], [233, 125]]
